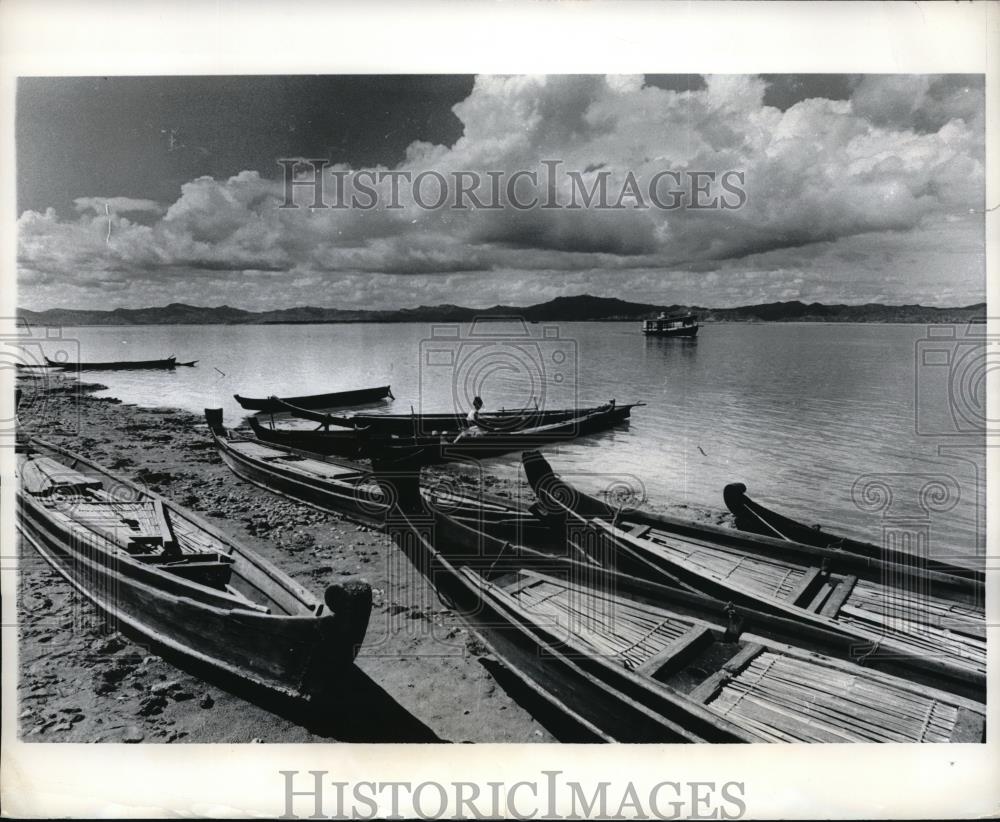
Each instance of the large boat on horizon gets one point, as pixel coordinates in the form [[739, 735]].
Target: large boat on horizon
[[674, 325]]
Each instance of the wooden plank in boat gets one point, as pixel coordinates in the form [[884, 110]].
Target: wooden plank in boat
[[41, 475], [131, 526], [675, 651], [707, 689], [212, 574], [163, 525], [969, 727], [639, 530], [803, 589], [839, 596]]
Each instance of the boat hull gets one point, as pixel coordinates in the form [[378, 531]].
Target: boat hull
[[417, 425], [121, 365], [755, 518], [677, 332], [600, 697], [434, 450], [821, 593], [336, 399], [339, 443], [285, 641]]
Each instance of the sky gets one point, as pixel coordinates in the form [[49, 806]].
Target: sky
[[142, 191]]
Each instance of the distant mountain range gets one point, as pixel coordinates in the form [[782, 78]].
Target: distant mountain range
[[562, 309]]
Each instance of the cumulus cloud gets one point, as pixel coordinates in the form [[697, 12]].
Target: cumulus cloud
[[878, 196]]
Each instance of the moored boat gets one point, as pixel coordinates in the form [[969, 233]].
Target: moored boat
[[337, 442], [617, 658], [889, 609], [753, 517], [334, 399], [121, 365], [411, 425], [483, 444], [171, 580], [351, 489]]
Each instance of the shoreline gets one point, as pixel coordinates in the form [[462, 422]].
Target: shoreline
[[81, 681], [513, 318]]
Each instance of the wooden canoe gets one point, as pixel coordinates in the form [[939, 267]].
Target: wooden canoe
[[620, 659], [337, 442], [121, 365], [168, 578], [372, 442], [420, 451], [349, 488], [334, 399], [887, 608], [754, 517], [415, 425]]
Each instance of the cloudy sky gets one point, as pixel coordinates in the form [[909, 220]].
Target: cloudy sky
[[144, 191]]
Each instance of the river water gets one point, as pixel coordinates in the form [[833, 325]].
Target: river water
[[819, 420]]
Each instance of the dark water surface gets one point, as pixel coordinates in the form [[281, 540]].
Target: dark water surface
[[801, 413]]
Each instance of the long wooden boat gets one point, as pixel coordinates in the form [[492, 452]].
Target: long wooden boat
[[753, 517], [375, 443], [414, 425], [121, 365], [173, 581], [334, 399], [351, 489], [419, 451], [889, 608], [336, 442], [620, 659]]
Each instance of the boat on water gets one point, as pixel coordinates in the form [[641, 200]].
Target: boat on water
[[676, 325], [334, 399], [335, 442], [616, 658], [122, 365], [480, 443], [887, 608], [404, 425], [171, 580], [351, 489], [753, 517]]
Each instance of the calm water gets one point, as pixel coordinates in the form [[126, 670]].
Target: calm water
[[798, 412]]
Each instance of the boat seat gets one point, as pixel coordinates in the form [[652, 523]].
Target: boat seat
[[213, 573], [838, 596], [661, 665]]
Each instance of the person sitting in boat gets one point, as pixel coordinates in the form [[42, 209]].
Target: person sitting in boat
[[472, 422]]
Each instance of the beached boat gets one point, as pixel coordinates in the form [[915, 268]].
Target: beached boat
[[351, 489], [614, 658], [677, 325], [755, 518], [410, 425], [168, 578], [336, 442], [484, 444], [890, 608], [335, 399], [121, 365]]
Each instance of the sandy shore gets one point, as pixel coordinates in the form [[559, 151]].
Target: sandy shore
[[421, 675]]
